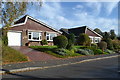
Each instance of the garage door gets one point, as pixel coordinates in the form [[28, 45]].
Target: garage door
[[14, 38]]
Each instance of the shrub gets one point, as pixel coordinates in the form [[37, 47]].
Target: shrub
[[71, 41], [94, 45], [97, 51], [116, 44], [44, 42], [109, 51], [60, 41], [103, 45], [109, 43], [61, 52], [83, 39], [5, 40], [85, 52]]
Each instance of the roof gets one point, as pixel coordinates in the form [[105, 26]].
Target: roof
[[23, 20], [78, 30]]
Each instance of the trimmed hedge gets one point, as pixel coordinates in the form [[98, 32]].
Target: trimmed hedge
[[60, 41]]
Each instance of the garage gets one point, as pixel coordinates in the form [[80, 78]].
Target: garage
[[14, 38]]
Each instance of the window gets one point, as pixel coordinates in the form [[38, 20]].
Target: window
[[91, 40], [35, 36], [96, 40], [50, 36]]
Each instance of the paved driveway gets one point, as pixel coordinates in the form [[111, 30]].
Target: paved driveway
[[34, 55]]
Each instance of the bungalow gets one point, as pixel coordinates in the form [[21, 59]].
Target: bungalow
[[95, 37], [29, 30]]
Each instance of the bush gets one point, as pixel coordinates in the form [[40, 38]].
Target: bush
[[83, 39], [116, 45], [97, 51], [94, 45], [71, 41], [61, 52], [60, 41], [5, 40], [109, 51], [109, 43], [44, 42], [102, 45], [85, 52]]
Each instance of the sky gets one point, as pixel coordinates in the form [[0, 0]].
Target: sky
[[102, 15]]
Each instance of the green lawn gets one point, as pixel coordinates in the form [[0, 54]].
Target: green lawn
[[10, 55]]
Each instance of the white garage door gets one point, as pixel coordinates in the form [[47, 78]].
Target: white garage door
[[14, 38]]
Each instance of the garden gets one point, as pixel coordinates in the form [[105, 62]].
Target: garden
[[69, 46]]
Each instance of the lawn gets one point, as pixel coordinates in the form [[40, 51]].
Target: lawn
[[10, 55]]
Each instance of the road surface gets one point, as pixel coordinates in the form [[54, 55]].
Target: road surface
[[107, 68]]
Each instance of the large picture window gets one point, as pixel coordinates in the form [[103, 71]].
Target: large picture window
[[50, 36], [34, 36]]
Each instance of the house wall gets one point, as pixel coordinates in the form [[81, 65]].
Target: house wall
[[93, 39], [90, 33], [37, 27]]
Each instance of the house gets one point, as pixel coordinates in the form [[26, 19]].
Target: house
[[95, 37], [28, 30]]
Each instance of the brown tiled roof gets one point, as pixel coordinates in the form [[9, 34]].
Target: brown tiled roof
[[29, 23]]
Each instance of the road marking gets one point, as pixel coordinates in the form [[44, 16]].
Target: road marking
[[36, 68]]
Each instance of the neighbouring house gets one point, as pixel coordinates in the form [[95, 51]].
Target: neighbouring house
[[95, 37], [28, 30]]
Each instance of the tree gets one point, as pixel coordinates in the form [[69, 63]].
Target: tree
[[71, 41], [13, 10], [109, 44], [102, 45], [112, 34], [98, 31], [83, 39], [60, 41], [106, 35]]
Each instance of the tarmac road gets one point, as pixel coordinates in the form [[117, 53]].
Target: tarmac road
[[106, 68]]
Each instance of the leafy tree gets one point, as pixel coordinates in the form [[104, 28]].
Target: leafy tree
[[60, 41], [109, 43], [118, 37], [106, 35], [98, 31], [83, 39], [12, 10], [112, 34], [71, 41]]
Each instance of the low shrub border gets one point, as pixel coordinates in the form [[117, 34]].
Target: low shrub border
[[76, 51]]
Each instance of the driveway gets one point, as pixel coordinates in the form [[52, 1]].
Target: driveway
[[34, 55]]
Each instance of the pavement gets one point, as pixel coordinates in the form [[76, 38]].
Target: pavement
[[33, 65], [34, 55]]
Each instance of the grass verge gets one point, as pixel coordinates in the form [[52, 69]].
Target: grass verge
[[10, 55]]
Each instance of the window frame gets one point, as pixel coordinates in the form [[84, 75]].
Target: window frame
[[49, 35], [40, 36]]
